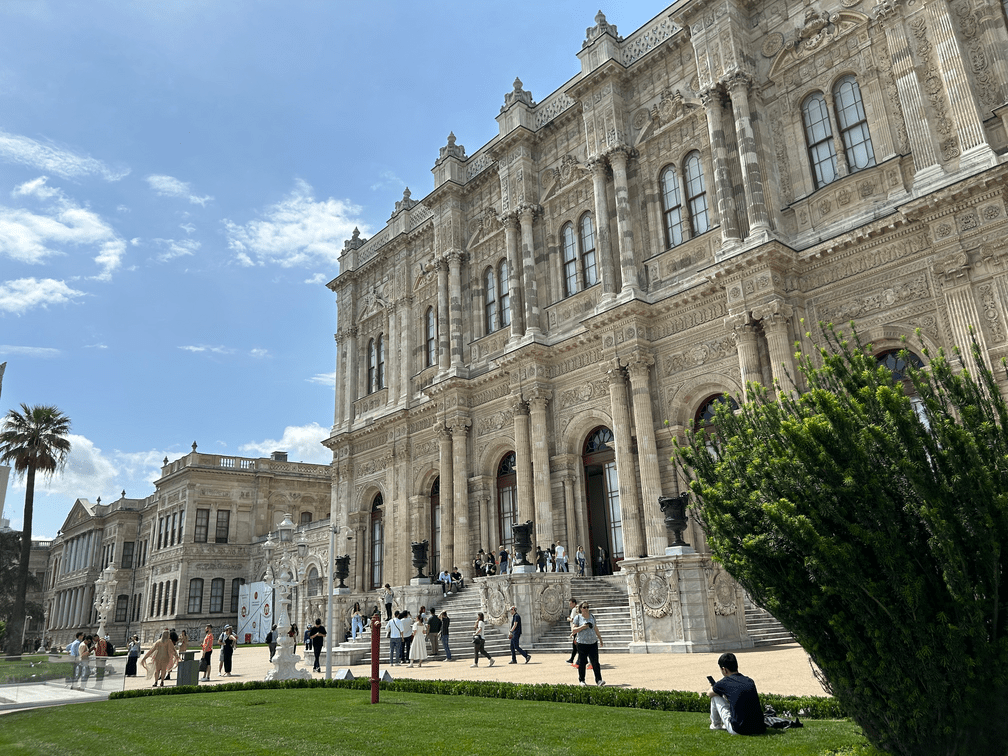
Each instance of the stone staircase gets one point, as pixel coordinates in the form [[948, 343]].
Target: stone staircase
[[763, 627]]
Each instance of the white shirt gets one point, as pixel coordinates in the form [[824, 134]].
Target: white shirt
[[74, 648]]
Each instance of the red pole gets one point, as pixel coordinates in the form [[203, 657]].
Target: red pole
[[375, 653]]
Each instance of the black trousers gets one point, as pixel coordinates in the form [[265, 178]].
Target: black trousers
[[479, 649], [588, 652]]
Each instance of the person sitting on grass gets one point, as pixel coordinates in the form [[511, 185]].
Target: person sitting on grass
[[735, 704]]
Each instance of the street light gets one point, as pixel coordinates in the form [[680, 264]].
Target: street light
[[282, 576], [333, 532]]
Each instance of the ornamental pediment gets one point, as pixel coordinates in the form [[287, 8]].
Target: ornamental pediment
[[818, 32], [671, 108], [373, 300]]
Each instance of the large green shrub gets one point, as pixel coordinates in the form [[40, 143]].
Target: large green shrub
[[873, 530]]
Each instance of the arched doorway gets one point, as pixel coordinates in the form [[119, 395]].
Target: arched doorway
[[435, 527], [377, 542], [605, 516], [704, 418], [507, 501]]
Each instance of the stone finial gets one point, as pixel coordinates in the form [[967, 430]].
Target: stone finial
[[354, 242], [194, 446], [601, 27], [123, 494], [405, 203], [165, 463], [451, 149], [518, 94], [99, 500]]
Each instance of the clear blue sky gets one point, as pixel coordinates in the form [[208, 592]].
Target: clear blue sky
[[176, 181]]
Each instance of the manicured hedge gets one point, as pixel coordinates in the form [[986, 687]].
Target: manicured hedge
[[810, 707]]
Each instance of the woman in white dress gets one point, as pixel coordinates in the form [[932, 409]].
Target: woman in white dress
[[418, 648]]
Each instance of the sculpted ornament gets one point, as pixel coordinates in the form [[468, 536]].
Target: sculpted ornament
[[724, 595], [496, 601], [552, 604], [655, 594]]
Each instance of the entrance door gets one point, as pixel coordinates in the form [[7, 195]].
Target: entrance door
[[605, 517]]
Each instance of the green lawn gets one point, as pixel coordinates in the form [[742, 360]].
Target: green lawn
[[338, 721], [33, 668]]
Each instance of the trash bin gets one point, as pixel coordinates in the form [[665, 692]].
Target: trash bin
[[188, 670]]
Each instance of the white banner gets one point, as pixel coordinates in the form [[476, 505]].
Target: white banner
[[255, 612]]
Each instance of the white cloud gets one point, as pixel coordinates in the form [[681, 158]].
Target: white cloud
[[204, 348], [387, 179], [23, 294], [302, 443], [29, 351], [259, 352], [52, 158], [324, 379], [318, 278], [297, 231], [31, 237], [169, 186], [187, 227], [176, 248], [135, 241], [95, 346]]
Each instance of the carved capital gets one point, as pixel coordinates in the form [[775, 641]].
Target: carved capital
[[455, 258], [509, 220], [528, 212], [614, 372], [711, 97], [774, 307], [639, 364], [460, 427], [599, 166], [519, 406], [620, 155], [539, 398], [738, 82]]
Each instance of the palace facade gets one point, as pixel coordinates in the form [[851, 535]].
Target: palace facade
[[525, 342]]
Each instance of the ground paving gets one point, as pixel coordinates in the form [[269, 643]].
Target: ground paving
[[780, 669]]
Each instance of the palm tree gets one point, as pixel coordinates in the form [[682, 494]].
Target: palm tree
[[32, 440]]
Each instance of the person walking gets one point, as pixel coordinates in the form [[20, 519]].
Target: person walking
[[183, 644], [133, 656], [574, 612], [580, 557], [394, 631], [515, 636], [479, 641], [86, 652], [205, 662], [227, 649], [585, 630], [356, 622], [445, 622], [73, 651], [418, 644], [407, 639], [388, 596], [318, 634], [434, 632], [159, 660], [271, 641], [293, 633]]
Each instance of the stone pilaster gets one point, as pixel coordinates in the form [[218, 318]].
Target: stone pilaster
[[353, 355], [526, 214], [460, 480], [633, 536], [572, 535], [639, 368], [775, 317], [444, 350], [624, 225], [748, 351], [540, 466], [722, 175], [515, 297], [752, 176], [603, 242], [447, 496], [523, 462], [455, 294]]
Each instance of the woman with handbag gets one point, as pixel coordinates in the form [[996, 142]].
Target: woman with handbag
[[478, 641], [585, 631], [208, 640], [227, 649], [418, 647]]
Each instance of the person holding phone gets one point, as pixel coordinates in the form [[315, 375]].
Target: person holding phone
[[585, 632], [735, 704]]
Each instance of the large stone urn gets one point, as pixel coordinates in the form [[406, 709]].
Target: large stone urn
[[674, 508], [419, 558], [342, 570], [522, 542]]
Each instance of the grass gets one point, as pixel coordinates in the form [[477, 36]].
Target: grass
[[339, 721], [35, 668]]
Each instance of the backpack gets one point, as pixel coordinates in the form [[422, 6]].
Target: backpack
[[269, 637]]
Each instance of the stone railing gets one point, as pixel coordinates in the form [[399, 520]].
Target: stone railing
[[419, 214], [370, 248], [646, 39], [477, 164], [551, 107]]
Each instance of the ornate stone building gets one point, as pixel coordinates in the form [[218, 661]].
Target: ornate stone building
[[525, 341]]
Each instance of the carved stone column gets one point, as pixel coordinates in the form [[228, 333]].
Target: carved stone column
[[463, 559], [526, 215], [523, 462], [748, 352], [444, 354], [775, 317], [624, 225], [455, 293], [639, 368], [510, 222], [633, 536], [752, 177], [405, 349], [340, 387], [447, 496], [540, 467], [572, 535], [351, 372], [722, 175], [603, 242]]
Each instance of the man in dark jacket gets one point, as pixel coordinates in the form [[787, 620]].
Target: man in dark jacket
[[735, 704], [515, 636], [434, 632]]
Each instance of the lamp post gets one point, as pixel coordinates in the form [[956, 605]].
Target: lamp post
[[282, 576], [333, 532], [103, 600]]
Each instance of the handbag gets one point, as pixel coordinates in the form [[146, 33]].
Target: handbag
[[203, 665]]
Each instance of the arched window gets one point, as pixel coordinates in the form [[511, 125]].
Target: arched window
[[430, 334], [819, 138], [490, 309], [195, 595], [589, 267], [306, 518], [569, 260], [372, 358], [896, 361], [377, 542], [313, 581], [853, 124], [671, 207], [217, 596], [435, 526], [507, 500], [696, 194], [380, 366], [505, 293], [705, 415], [602, 481]]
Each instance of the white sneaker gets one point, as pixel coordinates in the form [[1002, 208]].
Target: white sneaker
[[584, 684], [471, 666], [491, 662], [601, 683]]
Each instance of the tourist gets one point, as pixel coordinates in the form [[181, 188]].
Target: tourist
[[478, 564], [561, 557], [205, 662], [86, 652], [479, 641], [540, 560], [394, 632], [405, 622], [734, 701], [271, 640], [317, 638], [132, 656], [457, 582], [445, 622], [356, 622], [161, 657], [502, 561], [293, 633], [418, 642], [307, 640], [574, 612], [73, 650], [580, 557], [515, 636], [446, 582], [174, 639], [585, 630], [183, 644], [387, 595], [434, 632], [230, 640], [550, 561]]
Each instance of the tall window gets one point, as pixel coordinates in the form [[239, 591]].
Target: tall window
[[505, 293], [174, 596], [313, 581], [598, 452], [671, 207], [181, 525], [122, 606], [507, 501], [223, 525], [589, 267], [306, 518], [430, 338], [202, 525], [377, 542], [435, 505], [127, 555], [853, 124], [579, 267], [236, 585], [490, 308], [819, 138], [696, 194], [167, 598], [380, 367], [195, 596], [217, 596], [372, 359], [570, 260]]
